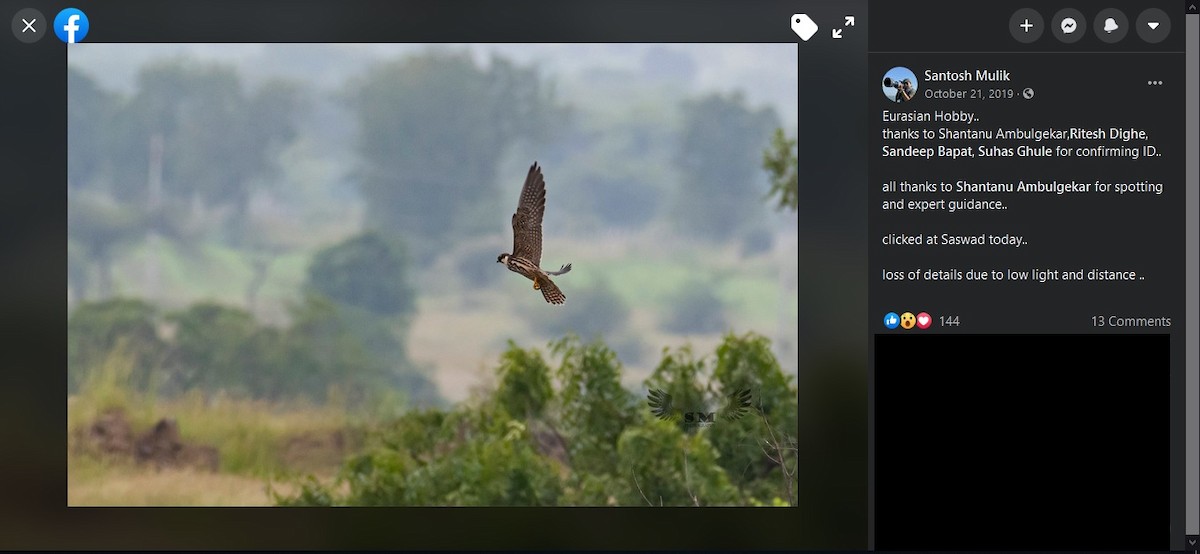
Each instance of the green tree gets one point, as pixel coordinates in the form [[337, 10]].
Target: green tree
[[665, 467], [747, 362], [359, 301], [332, 344], [486, 452], [269, 361], [595, 407], [683, 376], [100, 229], [89, 112], [218, 139], [781, 164], [210, 347], [433, 129], [466, 457], [524, 390], [95, 328], [367, 272], [721, 146]]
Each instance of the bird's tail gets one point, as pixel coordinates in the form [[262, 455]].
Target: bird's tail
[[560, 271], [551, 292]]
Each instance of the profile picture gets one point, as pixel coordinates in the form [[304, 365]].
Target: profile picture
[[900, 84]]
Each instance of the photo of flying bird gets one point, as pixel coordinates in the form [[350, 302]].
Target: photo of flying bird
[[526, 255]]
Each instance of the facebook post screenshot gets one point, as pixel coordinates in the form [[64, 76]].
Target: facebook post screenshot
[[726, 276]]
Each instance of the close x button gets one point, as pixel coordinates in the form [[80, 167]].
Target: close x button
[[29, 25]]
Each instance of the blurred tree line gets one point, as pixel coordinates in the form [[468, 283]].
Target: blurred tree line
[[347, 332], [190, 138], [722, 139], [571, 434], [432, 132]]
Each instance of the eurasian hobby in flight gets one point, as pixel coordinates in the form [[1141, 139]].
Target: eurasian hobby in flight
[[527, 239]]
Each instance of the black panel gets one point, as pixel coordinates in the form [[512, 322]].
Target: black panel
[[1044, 442]]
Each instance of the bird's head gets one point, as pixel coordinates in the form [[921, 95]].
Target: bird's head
[[502, 259]]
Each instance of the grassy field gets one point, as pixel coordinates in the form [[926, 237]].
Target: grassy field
[[97, 483], [257, 442], [257, 446]]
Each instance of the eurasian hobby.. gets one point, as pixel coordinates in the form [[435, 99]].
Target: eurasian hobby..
[[527, 239]]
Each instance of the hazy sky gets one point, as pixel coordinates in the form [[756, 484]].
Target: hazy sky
[[766, 73]]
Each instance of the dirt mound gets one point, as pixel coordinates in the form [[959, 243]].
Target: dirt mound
[[111, 435], [160, 444], [163, 447]]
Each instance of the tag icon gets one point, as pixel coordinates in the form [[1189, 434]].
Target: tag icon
[[803, 26]]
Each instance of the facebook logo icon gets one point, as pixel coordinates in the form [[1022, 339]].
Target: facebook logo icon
[[71, 25]]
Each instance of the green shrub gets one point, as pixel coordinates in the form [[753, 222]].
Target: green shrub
[[747, 362], [668, 468], [524, 390], [494, 451]]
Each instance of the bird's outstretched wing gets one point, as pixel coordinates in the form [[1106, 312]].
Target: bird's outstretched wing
[[736, 405], [527, 221], [660, 405]]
